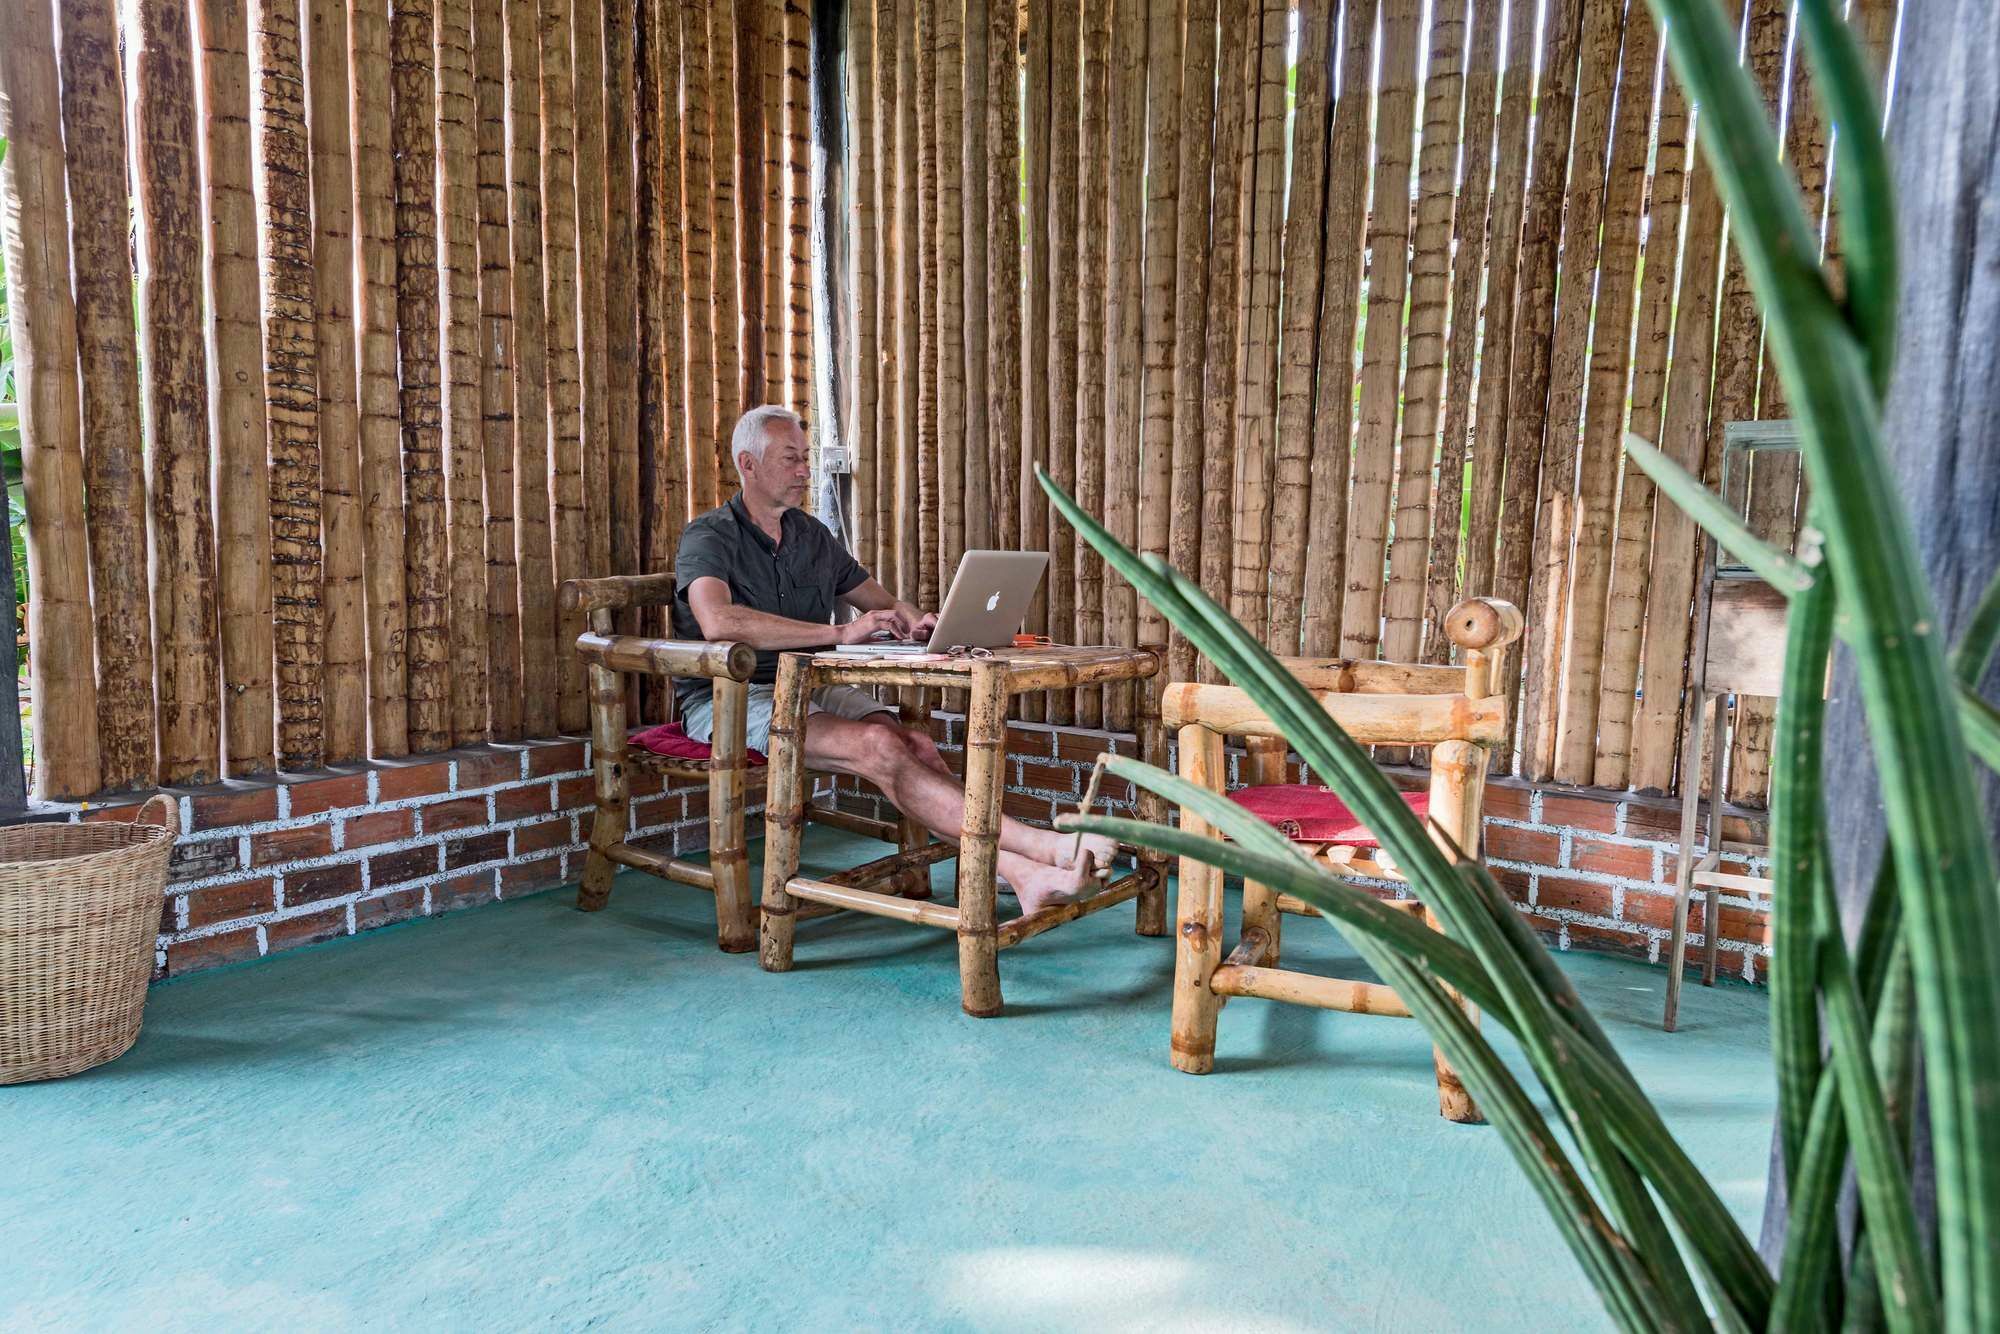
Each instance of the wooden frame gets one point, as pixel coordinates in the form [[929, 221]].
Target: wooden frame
[[990, 683], [608, 656], [1457, 711]]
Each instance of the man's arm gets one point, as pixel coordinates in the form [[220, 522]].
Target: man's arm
[[870, 596], [721, 617]]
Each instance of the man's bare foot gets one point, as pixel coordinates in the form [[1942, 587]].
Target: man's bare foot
[[1100, 848], [1043, 886]]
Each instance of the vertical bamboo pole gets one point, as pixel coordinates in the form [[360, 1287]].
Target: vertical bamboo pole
[[1451, 508], [1191, 243], [1604, 419], [771, 117], [346, 710], [1060, 232], [565, 384], [464, 443], [1430, 282], [1496, 356], [1340, 306], [735, 917], [703, 256], [728, 238], [979, 518], [784, 811], [1198, 914], [1381, 353], [1534, 319], [1256, 404], [888, 402], [382, 582], [1163, 127], [1737, 357], [862, 223], [948, 108], [1227, 261], [747, 89], [159, 87], [496, 372], [979, 841], [1125, 345], [656, 446], [533, 555], [412, 103], [929, 489], [621, 275], [796, 293], [1671, 570], [282, 166], [42, 321], [1625, 610], [236, 401], [1263, 765], [910, 470], [1003, 382], [114, 477], [673, 503], [613, 815], [1555, 518], [1299, 351], [593, 315], [1458, 777], [1035, 509], [1093, 175]]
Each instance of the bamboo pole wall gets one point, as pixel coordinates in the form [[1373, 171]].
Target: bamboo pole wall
[[1341, 306], [423, 287], [1343, 341]]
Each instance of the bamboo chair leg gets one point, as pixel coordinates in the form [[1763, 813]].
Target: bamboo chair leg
[[1458, 784], [1712, 912], [1198, 914], [728, 854], [784, 811], [913, 710], [614, 797], [1684, 865], [979, 841], [1151, 913], [1263, 766]]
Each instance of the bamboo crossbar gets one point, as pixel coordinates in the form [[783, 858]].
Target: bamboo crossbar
[[885, 868], [1419, 720], [658, 863], [1126, 887], [1322, 993], [872, 902], [668, 657], [1298, 907]]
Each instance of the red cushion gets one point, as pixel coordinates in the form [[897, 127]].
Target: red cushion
[[1314, 814], [672, 740]]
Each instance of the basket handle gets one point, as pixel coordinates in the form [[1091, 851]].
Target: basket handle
[[166, 817]]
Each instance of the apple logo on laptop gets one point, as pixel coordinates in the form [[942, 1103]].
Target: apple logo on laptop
[[993, 603]]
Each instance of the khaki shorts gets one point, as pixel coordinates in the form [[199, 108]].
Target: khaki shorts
[[698, 712]]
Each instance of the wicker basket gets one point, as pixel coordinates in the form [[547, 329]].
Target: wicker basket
[[79, 912]]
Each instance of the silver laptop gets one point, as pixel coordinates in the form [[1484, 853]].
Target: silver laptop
[[989, 596]]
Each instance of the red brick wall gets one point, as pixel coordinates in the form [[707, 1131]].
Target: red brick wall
[[271, 865]]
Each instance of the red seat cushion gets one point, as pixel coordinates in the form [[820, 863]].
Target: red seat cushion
[[672, 740], [1310, 814]]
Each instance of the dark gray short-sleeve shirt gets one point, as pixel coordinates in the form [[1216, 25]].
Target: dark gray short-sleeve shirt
[[799, 578]]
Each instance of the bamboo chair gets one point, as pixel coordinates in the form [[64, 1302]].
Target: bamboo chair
[[1456, 711], [727, 772]]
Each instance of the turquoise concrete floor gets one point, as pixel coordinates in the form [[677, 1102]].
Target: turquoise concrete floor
[[525, 1117]]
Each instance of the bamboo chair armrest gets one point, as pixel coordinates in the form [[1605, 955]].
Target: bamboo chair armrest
[[617, 591], [728, 660]]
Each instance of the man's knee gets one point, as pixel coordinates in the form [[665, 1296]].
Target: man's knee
[[883, 749]]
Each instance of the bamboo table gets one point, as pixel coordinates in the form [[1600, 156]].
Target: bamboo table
[[989, 682]]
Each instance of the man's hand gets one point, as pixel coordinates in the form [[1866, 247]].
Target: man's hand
[[925, 625], [869, 624]]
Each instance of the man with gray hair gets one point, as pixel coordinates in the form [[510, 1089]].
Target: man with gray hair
[[762, 571]]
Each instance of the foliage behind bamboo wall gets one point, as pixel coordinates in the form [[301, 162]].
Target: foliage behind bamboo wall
[[414, 381], [1229, 358]]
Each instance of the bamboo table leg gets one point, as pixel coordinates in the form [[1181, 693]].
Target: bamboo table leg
[[1458, 779], [784, 810], [1198, 930], [1263, 766], [735, 916], [979, 841], [1151, 914], [607, 754]]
